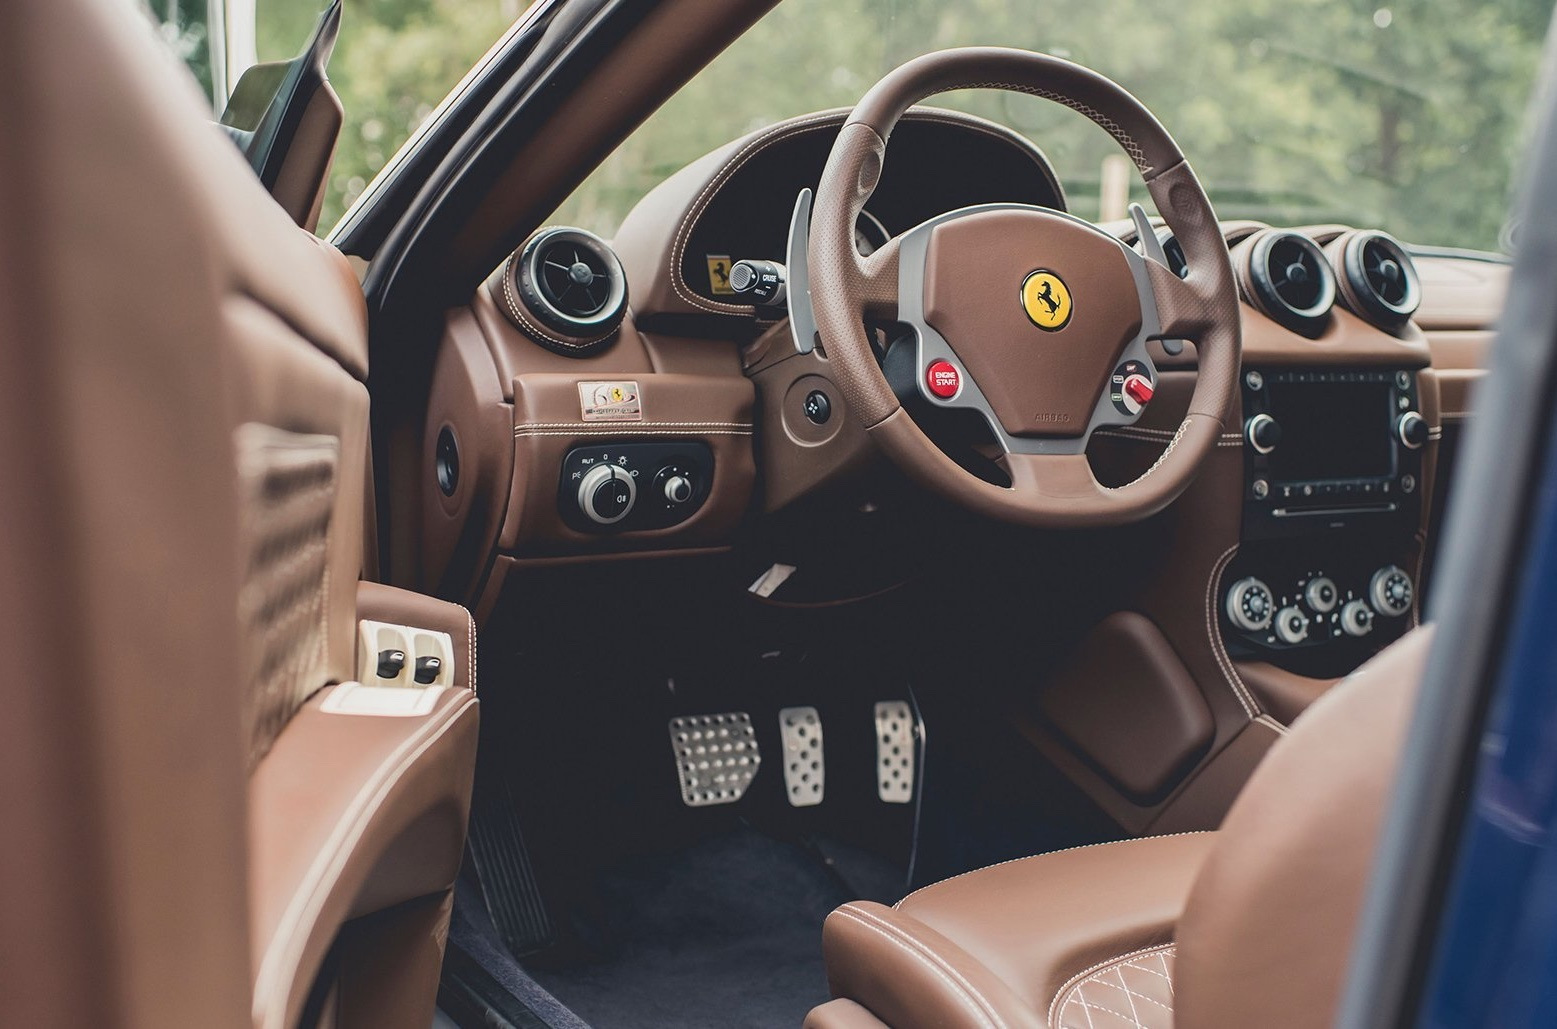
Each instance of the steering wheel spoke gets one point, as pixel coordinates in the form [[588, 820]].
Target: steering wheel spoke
[[1032, 317], [1183, 310]]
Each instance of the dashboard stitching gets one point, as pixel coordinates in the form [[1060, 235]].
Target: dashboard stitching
[[511, 303], [725, 173], [1245, 698], [634, 432], [683, 233], [636, 425]]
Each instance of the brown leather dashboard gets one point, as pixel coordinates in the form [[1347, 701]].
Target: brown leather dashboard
[[719, 373]]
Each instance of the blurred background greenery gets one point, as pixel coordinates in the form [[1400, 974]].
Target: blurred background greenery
[[1409, 116]]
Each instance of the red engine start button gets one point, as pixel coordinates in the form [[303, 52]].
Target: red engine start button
[[943, 379]]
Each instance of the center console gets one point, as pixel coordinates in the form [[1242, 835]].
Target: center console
[[1328, 448], [1332, 510]]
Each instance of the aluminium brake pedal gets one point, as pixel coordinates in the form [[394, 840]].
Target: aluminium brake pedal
[[895, 751], [805, 772], [716, 757]]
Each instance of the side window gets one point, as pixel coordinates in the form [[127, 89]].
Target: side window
[[185, 26]]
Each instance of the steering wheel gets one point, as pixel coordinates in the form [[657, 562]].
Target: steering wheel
[[1032, 317]]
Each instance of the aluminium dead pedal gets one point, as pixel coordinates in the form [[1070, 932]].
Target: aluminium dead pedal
[[716, 757], [805, 772], [895, 751]]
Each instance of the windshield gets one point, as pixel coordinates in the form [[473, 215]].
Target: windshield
[[1408, 118]]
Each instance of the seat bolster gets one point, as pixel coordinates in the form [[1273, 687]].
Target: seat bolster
[[842, 1014], [1038, 921], [350, 814], [997, 946], [908, 974]]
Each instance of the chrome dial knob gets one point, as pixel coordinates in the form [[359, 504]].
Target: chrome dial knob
[[678, 489], [1391, 591], [1249, 604], [1356, 618], [1320, 594], [606, 494], [1291, 625]]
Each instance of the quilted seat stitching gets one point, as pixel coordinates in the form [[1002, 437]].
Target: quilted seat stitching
[[1074, 992]]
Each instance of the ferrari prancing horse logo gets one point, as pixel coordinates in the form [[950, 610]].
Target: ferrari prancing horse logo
[[1046, 300]]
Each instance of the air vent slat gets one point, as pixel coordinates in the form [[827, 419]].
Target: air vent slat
[[1290, 280], [571, 283], [1379, 281]]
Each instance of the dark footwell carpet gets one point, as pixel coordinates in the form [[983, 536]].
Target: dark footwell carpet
[[726, 934]]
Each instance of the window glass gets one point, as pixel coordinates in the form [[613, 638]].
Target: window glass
[[182, 25], [394, 62], [1406, 116]]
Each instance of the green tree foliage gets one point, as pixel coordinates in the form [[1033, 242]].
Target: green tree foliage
[[396, 59], [1408, 116]]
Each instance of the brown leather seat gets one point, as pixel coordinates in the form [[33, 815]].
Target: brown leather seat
[[1249, 925], [205, 823]]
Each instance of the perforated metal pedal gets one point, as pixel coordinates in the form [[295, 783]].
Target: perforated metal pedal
[[716, 757], [805, 770], [894, 751]]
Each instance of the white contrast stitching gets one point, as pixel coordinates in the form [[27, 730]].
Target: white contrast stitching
[[624, 431], [1035, 857], [1061, 999], [1251, 707], [471, 645], [723, 175], [986, 1010], [311, 893], [1183, 427], [1122, 985], [739, 160], [529, 327], [636, 425]]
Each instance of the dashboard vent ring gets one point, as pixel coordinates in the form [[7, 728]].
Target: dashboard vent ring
[[566, 289], [1290, 280], [1379, 282]]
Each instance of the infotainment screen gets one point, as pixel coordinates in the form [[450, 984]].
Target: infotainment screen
[[1331, 430]]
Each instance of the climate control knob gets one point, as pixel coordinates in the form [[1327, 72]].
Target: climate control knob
[[1263, 433], [606, 493], [1291, 625], [1250, 604], [1412, 430], [1391, 591], [1320, 594], [677, 489], [1356, 618]]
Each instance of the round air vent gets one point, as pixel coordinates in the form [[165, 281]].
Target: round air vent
[[565, 289], [1377, 279], [1286, 276]]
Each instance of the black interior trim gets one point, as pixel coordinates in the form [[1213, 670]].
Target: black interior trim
[[1484, 542]]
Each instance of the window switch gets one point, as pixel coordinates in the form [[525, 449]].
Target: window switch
[[427, 669], [390, 663]]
